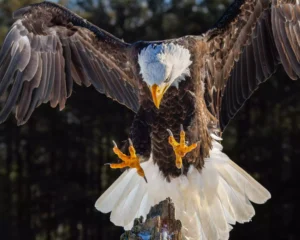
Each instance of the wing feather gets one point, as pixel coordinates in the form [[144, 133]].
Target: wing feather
[[48, 48], [27, 102], [250, 41]]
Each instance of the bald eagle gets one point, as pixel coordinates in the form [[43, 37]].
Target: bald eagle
[[183, 91]]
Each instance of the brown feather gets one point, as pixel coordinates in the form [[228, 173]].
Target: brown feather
[[245, 49], [70, 49]]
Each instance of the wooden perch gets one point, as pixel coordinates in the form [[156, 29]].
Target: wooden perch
[[159, 225]]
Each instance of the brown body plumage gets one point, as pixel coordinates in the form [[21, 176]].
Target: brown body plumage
[[153, 134]]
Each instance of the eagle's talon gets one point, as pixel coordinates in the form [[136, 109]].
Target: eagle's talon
[[145, 179], [170, 132], [131, 161], [115, 145], [180, 148]]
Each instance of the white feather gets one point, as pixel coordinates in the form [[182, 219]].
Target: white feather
[[114, 193], [164, 61], [206, 202]]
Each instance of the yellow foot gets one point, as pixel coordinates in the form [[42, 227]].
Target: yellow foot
[[180, 148], [131, 161]]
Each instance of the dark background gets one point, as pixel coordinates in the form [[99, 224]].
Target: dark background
[[51, 169]]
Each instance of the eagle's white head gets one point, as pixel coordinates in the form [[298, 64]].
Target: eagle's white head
[[162, 66]]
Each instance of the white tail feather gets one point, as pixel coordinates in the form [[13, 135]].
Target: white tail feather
[[207, 202]]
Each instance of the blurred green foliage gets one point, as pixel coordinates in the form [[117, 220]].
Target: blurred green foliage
[[51, 169]]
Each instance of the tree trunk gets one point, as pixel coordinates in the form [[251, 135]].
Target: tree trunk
[[159, 225]]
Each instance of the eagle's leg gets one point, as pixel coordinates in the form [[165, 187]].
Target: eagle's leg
[[180, 148], [131, 161]]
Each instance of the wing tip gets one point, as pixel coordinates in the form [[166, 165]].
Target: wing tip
[[21, 12]]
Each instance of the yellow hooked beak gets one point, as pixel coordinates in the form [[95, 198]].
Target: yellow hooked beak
[[158, 93]]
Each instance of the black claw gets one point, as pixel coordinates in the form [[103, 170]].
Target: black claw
[[145, 179]]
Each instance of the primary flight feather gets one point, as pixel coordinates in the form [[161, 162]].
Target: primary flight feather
[[184, 92]]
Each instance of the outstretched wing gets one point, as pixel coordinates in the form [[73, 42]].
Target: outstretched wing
[[48, 48], [245, 48]]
